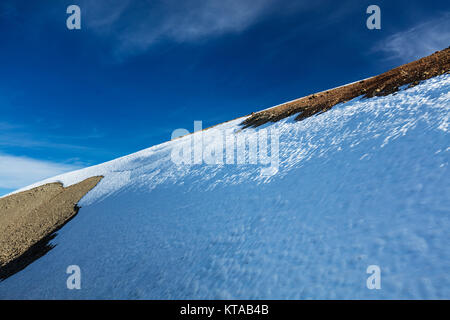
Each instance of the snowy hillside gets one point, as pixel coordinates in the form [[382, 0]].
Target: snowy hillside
[[366, 183]]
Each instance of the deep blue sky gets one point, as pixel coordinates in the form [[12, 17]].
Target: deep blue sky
[[137, 70]]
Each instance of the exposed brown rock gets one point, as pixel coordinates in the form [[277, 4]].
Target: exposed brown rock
[[386, 83], [29, 220]]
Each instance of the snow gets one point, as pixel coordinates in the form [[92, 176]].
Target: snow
[[366, 183]]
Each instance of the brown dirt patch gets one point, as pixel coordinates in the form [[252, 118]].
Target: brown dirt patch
[[386, 83], [29, 220]]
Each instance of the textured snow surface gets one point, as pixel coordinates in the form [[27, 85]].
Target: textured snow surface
[[366, 183]]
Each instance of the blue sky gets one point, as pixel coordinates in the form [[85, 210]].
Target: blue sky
[[137, 70]]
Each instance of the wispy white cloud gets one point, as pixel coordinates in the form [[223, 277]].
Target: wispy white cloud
[[136, 26], [17, 172], [417, 42]]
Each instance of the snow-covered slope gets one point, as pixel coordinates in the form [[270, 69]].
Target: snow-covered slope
[[366, 183]]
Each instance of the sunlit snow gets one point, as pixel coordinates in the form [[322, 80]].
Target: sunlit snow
[[366, 183]]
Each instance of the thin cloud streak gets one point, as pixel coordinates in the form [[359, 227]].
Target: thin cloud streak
[[133, 27], [24, 141], [21, 135], [417, 42]]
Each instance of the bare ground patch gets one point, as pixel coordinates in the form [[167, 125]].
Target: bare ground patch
[[29, 220], [384, 84]]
